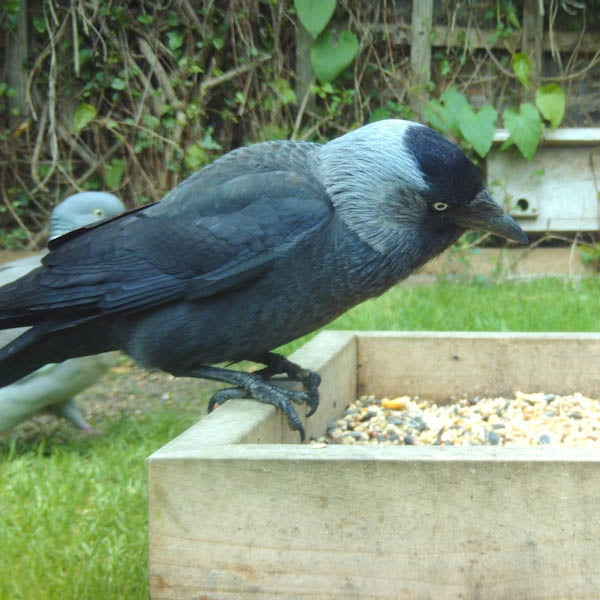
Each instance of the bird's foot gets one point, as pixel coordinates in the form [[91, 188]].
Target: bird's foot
[[256, 387], [310, 380], [69, 410], [268, 394]]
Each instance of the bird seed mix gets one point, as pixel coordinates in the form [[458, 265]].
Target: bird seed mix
[[525, 420]]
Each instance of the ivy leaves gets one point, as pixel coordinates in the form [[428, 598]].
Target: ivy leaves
[[330, 56], [453, 114], [315, 14], [525, 129], [84, 114], [525, 123], [331, 53], [551, 102], [478, 128], [521, 66]]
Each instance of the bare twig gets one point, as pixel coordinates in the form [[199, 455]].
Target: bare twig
[[211, 82]]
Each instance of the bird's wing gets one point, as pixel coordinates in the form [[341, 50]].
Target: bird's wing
[[203, 241]]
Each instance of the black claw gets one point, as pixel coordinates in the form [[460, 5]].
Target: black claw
[[312, 389], [310, 379], [293, 420], [254, 385], [222, 396]]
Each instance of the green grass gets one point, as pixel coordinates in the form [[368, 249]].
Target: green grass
[[546, 304], [73, 513]]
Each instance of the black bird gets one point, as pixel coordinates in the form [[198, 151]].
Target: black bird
[[264, 245]]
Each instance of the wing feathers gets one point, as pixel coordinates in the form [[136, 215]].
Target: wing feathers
[[215, 233]]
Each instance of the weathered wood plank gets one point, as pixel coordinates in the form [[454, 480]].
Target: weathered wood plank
[[269, 520], [533, 33], [442, 36], [442, 365], [295, 522], [420, 53], [304, 71], [16, 71]]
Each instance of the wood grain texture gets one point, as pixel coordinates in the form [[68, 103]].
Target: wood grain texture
[[420, 52], [445, 365], [262, 524], [232, 520]]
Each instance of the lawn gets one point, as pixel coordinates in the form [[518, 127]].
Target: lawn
[[73, 509]]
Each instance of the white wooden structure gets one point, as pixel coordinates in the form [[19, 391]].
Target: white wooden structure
[[558, 190]]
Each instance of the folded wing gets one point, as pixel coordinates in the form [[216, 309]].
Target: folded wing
[[213, 235]]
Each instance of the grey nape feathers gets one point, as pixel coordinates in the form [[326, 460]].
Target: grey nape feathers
[[52, 387], [264, 245]]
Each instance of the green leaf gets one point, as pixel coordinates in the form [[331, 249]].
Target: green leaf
[[454, 102], [478, 128], [550, 99], [521, 65], [195, 157], [118, 84], [40, 24], [150, 121], [84, 114], [175, 39], [444, 118], [436, 115], [512, 17], [113, 173], [330, 57], [525, 128], [284, 91], [145, 19], [315, 14]]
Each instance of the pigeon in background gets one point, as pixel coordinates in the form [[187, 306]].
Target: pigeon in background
[[52, 387]]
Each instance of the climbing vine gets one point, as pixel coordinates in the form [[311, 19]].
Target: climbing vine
[[132, 97]]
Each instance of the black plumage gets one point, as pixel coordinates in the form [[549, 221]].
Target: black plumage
[[264, 245]]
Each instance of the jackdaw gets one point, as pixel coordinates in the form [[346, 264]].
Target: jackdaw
[[264, 245], [53, 386]]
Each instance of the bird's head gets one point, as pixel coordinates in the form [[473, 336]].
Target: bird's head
[[82, 209], [397, 176]]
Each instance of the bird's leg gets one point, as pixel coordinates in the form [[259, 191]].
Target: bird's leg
[[277, 364], [69, 410], [310, 380], [258, 389]]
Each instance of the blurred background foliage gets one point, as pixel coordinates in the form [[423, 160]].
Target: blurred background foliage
[[133, 96]]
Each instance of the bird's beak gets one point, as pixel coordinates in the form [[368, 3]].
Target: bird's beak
[[484, 214]]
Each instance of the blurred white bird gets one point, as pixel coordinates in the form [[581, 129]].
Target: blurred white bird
[[52, 387]]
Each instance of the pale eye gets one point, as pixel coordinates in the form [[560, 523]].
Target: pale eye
[[440, 206], [98, 213]]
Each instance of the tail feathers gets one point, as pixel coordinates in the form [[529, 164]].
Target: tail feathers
[[12, 321], [27, 353], [20, 343], [19, 364], [45, 344]]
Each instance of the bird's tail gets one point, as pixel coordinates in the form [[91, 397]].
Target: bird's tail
[[27, 353], [47, 343], [17, 359]]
